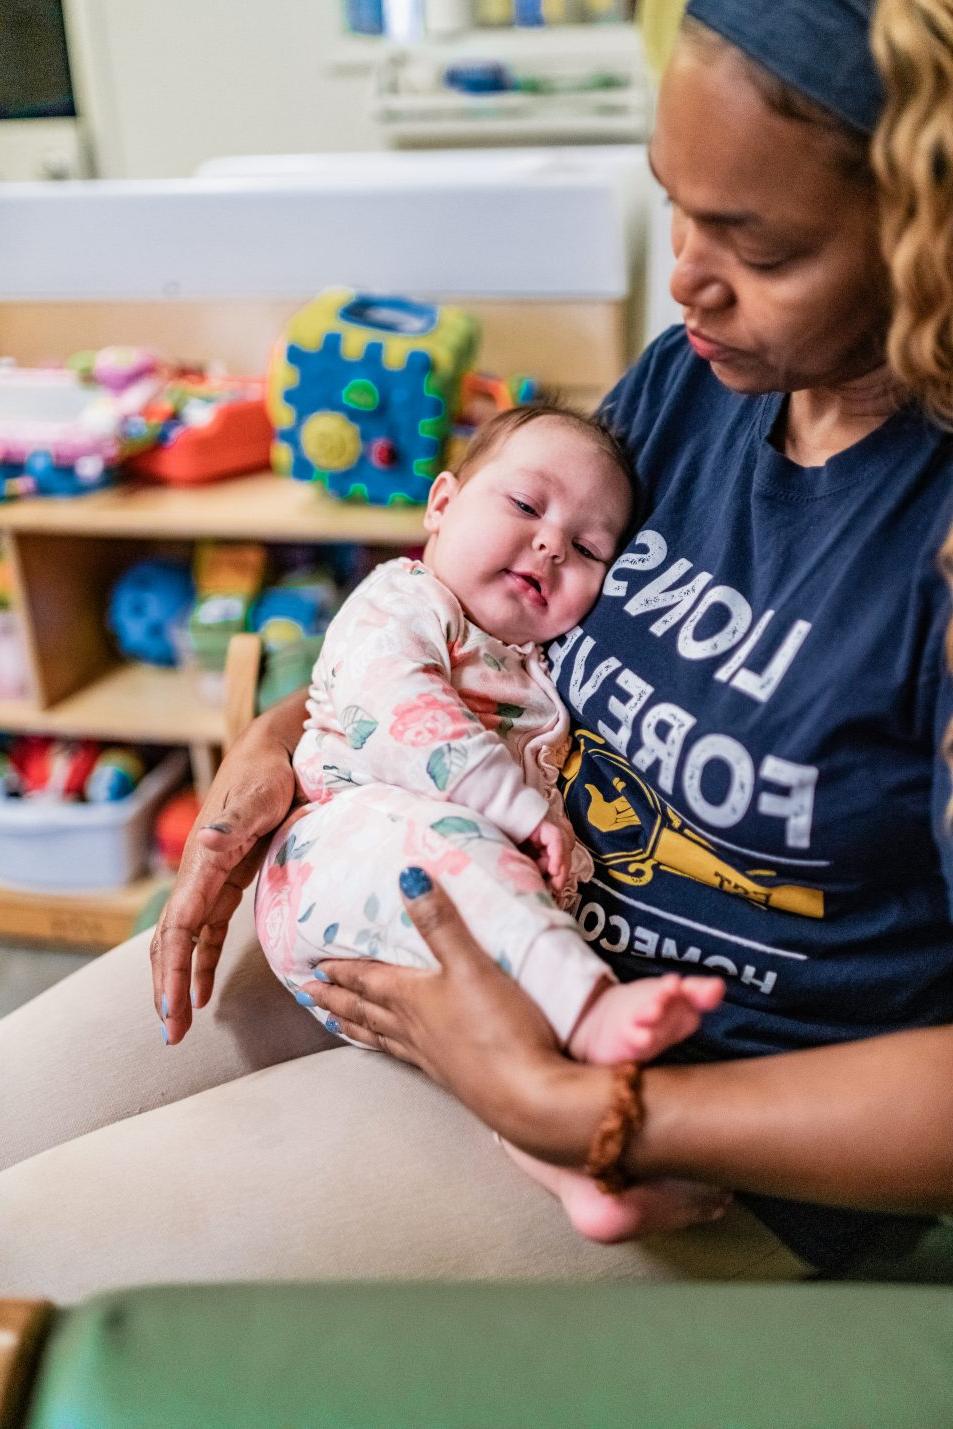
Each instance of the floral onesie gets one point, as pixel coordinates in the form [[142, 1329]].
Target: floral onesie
[[427, 742]]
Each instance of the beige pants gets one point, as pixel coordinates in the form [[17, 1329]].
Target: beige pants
[[262, 1149]]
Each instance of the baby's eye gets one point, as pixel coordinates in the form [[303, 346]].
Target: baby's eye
[[585, 551], [523, 506]]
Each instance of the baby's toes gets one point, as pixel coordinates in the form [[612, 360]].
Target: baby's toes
[[704, 993], [677, 1019]]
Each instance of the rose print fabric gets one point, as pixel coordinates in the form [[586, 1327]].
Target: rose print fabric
[[427, 742], [406, 691], [329, 890]]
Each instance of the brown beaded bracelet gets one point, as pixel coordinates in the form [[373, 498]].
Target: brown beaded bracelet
[[623, 1118]]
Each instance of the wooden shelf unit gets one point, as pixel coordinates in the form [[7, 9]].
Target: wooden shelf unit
[[65, 555], [90, 921]]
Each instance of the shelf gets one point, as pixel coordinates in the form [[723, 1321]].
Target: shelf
[[98, 919], [514, 44], [139, 704], [263, 507], [505, 128]]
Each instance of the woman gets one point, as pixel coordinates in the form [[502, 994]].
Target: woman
[[758, 700]]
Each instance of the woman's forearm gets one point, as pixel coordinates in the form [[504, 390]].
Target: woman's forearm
[[867, 1124]]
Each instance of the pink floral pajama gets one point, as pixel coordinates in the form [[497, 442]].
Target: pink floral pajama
[[428, 742]]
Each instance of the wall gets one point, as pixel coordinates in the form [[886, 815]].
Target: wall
[[195, 79]]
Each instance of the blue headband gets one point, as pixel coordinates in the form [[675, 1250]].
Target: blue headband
[[821, 48]]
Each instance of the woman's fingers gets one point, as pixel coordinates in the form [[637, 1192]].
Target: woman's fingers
[[171, 955], [673, 1205], [356, 997], [362, 990], [207, 892], [219, 865], [436, 919]]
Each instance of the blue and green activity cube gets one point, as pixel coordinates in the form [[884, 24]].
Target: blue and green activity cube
[[362, 392]]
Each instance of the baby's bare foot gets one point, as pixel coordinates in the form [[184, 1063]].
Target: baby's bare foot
[[667, 1205], [636, 1021]]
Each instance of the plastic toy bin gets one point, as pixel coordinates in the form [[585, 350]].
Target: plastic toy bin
[[78, 847]]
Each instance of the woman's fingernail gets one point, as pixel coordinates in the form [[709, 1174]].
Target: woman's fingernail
[[718, 1214], [305, 999], [165, 1034], [192, 996], [414, 882], [333, 1025], [320, 975], [165, 1006]]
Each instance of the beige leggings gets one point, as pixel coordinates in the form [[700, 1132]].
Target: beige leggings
[[262, 1149]]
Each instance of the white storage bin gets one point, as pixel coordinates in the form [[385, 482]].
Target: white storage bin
[[71, 847]]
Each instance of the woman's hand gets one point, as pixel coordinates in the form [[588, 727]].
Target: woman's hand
[[465, 1023], [473, 1030], [250, 796]]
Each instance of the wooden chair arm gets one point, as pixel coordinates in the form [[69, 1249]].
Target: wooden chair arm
[[23, 1326], [242, 668]]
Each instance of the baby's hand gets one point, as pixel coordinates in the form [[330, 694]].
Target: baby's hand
[[550, 847]]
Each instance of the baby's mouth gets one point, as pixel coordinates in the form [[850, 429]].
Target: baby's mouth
[[530, 587]]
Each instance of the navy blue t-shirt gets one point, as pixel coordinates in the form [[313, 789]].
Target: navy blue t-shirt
[[759, 698]]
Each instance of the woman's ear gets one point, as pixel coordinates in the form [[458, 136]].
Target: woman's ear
[[444, 489]]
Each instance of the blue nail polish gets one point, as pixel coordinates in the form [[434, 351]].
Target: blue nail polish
[[333, 1026], [165, 1005], [165, 1034], [304, 998], [192, 996], [414, 882], [319, 975]]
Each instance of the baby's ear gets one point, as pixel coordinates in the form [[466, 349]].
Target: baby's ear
[[442, 491]]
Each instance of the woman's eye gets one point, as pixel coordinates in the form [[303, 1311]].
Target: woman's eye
[[763, 265]]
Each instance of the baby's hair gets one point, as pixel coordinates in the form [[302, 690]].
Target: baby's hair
[[488, 437]]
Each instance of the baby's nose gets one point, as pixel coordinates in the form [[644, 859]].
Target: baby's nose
[[549, 542]]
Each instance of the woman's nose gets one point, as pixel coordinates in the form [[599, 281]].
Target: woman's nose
[[695, 281]]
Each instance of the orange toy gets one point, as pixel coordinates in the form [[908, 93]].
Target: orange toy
[[233, 436], [173, 825]]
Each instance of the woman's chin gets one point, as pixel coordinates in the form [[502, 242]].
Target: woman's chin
[[744, 378]]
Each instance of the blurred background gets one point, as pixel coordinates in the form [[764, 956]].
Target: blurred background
[[142, 89], [179, 179]]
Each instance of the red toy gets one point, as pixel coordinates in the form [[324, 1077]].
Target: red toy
[[207, 427], [174, 823], [53, 768]]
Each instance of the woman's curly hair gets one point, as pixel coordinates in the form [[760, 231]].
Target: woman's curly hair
[[913, 161]]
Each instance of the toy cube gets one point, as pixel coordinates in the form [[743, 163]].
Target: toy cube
[[362, 392]]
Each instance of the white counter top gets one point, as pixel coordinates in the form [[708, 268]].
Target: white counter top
[[512, 223]]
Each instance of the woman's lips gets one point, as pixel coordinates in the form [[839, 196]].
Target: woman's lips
[[710, 351], [528, 588]]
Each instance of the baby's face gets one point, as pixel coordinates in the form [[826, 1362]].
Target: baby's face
[[525, 542]]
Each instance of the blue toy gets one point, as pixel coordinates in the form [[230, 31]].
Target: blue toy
[[147, 605], [287, 613], [362, 392], [115, 774]]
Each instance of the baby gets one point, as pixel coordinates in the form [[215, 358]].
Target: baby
[[435, 737]]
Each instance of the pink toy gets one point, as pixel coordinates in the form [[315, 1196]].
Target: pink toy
[[63, 433], [14, 673]]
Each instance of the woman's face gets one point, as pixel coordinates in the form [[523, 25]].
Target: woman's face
[[778, 266]]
